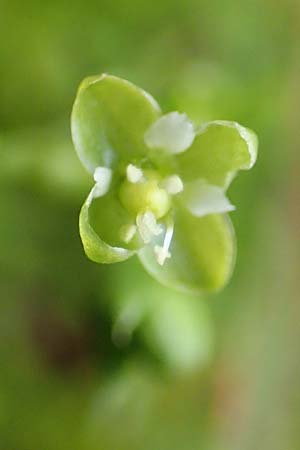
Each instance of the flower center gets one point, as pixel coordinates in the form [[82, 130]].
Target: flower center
[[141, 191], [147, 196]]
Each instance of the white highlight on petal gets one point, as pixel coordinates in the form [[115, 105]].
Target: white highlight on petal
[[134, 174], [127, 233], [102, 177], [147, 226], [172, 132], [162, 252], [173, 184], [203, 199]]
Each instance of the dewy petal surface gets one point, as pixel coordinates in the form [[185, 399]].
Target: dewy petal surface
[[202, 254], [101, 222], [202, 199], [172, 132], [219, 150], [109, 119]]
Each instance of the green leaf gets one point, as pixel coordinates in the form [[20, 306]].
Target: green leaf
[[220, 149], [100, 223], [109, 119], [202, 254]]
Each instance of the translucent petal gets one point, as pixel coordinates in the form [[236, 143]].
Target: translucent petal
[[219, 150], [172, 132], [202, 254], [109, 119], [201, 199], [101, 225]]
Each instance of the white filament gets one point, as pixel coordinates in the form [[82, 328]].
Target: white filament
[[162, 252], [127, 232]]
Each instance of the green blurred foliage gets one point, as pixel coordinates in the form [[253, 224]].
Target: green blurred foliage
[[76, 375]]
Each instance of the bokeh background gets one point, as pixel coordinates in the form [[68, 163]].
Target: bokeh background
[[100, 358]]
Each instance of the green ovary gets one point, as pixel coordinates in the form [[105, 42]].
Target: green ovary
[[144, 196]]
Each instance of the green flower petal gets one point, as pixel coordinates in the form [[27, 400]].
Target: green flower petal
[[101, 222], [109, 119], [220, 149], [202, 254]]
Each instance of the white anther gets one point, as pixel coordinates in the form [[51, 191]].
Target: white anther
[[102, 177], [134, 174], [162, 252], [127, 233], [173, 184], [147, 226]]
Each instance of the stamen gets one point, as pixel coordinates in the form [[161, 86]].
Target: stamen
[[148, 226], [127, 233], [162, 253], [173, 184], [134, 174], [102, 177]]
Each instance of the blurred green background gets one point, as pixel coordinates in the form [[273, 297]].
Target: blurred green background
[[100, 358]]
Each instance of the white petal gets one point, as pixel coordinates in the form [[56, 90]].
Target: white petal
[[173, 184], [102, 176], [203, 199], [172, 132]]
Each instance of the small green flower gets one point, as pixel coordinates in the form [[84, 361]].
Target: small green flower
[[160, 184]]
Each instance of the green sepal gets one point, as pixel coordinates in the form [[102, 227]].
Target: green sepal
[[109, 119], [202, 254], [219, 150], [92, 226]]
